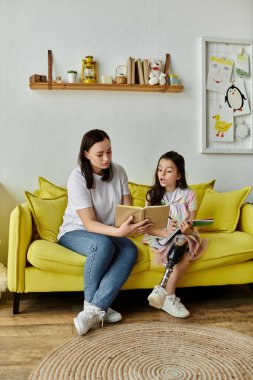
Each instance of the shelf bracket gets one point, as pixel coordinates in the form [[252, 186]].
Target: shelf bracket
[[167, 68]]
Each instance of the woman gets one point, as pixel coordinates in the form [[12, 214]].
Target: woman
[[95, 187]]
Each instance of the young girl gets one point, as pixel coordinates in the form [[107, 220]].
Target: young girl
[[95, 187], [171, 188]]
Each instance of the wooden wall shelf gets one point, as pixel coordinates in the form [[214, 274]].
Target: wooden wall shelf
[[106, 87]]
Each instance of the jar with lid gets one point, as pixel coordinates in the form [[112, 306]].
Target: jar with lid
[[120, 75]]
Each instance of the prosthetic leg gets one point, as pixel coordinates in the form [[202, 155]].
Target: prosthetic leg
[[157, 297], [175, 254]]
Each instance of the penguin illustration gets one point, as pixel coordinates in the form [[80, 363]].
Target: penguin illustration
[[235, 98]]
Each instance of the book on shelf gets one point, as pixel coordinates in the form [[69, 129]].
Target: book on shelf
[[195, 223], [129, 70], [133, 70], [145, 71], [158, 215], [139, 71]]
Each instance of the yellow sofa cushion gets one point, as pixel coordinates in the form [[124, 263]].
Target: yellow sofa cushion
[[52, 257], [200, 190], [223, 249], [50, 190], [47, 215], [138, 192], [224, 208]]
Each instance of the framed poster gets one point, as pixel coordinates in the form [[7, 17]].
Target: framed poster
[[227, 107]]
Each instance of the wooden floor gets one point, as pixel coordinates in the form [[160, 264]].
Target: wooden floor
[[46, 320]]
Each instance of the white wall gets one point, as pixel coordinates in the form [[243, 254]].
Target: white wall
[[41, 130]]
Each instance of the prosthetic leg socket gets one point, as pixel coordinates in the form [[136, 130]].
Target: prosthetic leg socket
[[175, 254]]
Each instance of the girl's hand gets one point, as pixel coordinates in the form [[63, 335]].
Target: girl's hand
[[134, 229], [186, 228], [172, 226]]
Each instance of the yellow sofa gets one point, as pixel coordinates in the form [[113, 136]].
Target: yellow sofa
[[36, 263]]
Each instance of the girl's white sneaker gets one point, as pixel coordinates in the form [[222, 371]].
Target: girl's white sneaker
[[174, 307], [157, 297]]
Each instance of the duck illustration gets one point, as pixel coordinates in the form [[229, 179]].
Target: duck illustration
[[235, 98], [221, 126]]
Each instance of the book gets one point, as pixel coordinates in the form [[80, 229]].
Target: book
[[145, 71], [195, 223], [158, 215], [168, 239], [202, 222], [133, 70], [139, 71], [129, 70]]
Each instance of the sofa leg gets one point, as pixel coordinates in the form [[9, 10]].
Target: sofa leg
[[16, 302], [251, 286]]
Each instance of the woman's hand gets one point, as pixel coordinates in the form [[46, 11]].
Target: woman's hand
[[134, 229]]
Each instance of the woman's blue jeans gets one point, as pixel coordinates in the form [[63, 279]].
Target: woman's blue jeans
[[109, 261]]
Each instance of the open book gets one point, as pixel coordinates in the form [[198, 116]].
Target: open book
[[158, 215], [202, 222], [195, 223]]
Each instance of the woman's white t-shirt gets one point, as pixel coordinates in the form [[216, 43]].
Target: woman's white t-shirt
[[103, 198]]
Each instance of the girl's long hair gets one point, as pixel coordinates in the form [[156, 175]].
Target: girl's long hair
[[89, 139], [156, 193]]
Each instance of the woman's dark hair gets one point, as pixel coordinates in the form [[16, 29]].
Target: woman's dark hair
[[89, 139], [156, 193]]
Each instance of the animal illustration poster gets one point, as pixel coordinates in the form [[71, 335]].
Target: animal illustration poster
[[222, 124], [219, 74], [236, 98], [242, 65]]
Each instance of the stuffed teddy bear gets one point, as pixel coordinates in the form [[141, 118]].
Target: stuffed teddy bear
[[3, 278], [155, 72]]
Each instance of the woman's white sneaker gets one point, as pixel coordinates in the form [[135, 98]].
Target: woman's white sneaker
[[87, 319], [157, 297], [174, 307], [110, 316]]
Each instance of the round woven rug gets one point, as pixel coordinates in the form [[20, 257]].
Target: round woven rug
[[150, 351]]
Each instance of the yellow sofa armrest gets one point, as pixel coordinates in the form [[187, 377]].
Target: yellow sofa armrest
[[245, 223], [20, 237]]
